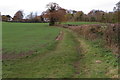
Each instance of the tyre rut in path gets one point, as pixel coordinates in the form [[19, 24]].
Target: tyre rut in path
[[76, 64]]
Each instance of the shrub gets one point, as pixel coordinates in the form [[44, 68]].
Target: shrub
[[109, 33]]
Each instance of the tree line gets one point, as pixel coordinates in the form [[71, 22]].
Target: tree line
[[55, 15]]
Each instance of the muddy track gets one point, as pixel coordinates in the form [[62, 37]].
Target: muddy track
[[60, 36], [76, 64]]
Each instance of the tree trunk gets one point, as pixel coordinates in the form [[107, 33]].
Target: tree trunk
[[52, 22]]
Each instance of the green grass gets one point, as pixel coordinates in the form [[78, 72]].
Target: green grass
[[57, 63], [93, 51], [81, 23], [24, 37], [73, 56], [0, 34]]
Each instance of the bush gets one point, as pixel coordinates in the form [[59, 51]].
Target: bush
[[112, 37], [109, 33]]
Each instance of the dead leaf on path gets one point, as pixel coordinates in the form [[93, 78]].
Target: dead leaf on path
[[98, 61]]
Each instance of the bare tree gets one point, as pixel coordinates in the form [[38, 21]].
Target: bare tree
[[30, 16], [118, 6]]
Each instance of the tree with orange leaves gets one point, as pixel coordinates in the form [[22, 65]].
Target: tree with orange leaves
[[54, 13], [18, 16]]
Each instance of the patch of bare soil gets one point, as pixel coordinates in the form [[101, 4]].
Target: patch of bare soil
[[77, 68], [60, 36], [76, 64], [13, 56]]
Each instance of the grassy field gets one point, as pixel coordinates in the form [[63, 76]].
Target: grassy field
[[21, 38], [70, 57], [57, 63]]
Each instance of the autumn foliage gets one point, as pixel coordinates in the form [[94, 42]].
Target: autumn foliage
[[54, 14], [18, 16]]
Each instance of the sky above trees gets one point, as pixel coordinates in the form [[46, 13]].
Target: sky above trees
[[9, 7]]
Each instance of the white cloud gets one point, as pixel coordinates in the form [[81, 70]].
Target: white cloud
[[11, 6]]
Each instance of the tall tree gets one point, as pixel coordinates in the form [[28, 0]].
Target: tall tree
[[118, 6], [52, 13], [30, 16], [118, 11]]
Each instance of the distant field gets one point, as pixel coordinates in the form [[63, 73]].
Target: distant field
[[19, 38], [81, 23]]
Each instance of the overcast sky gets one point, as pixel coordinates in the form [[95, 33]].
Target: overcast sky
[[11, 6]]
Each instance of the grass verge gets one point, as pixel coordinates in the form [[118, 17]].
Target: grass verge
[[81, 23]]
